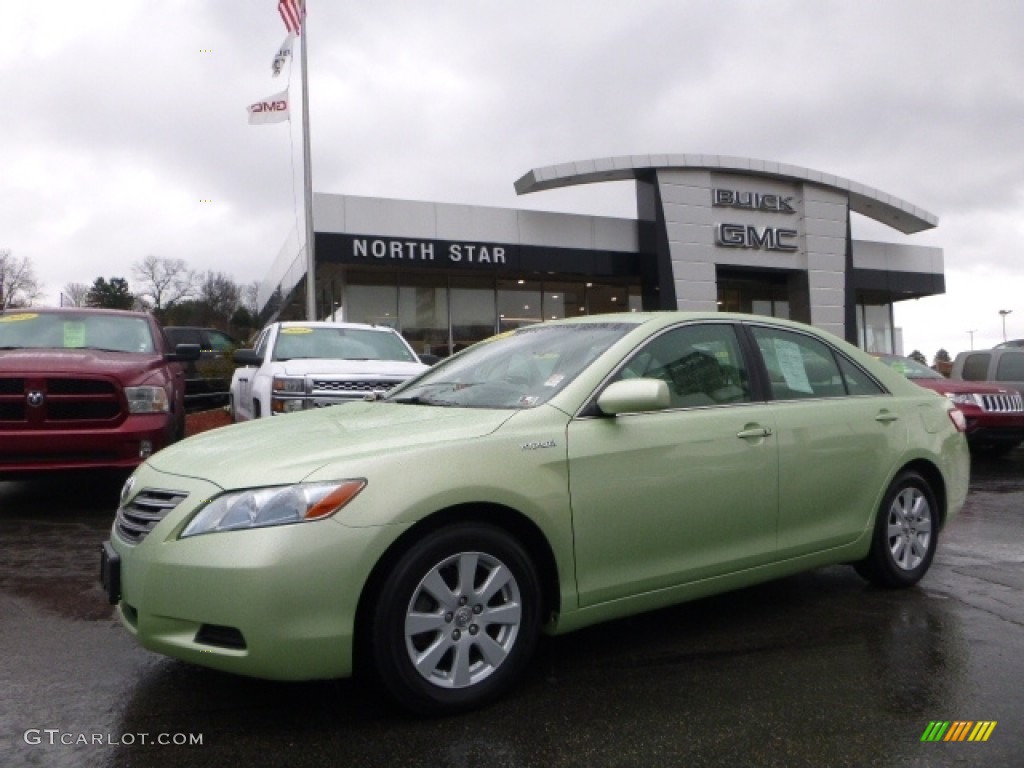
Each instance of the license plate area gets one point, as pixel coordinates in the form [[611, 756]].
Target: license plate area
[[110, 572]]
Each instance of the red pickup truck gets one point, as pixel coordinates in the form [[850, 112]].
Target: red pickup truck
[[87, 388]]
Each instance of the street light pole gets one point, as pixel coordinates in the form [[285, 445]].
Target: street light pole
[[1004, 313], [971, 334]]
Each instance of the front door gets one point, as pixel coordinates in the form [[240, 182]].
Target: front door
[[664, 498]]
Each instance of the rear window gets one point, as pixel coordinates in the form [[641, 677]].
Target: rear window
[[1010, 367], [976, 367]]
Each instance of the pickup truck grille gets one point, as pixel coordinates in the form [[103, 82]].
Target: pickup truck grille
[[58, 399], [361, 386], [1002, 403], [140, 515]]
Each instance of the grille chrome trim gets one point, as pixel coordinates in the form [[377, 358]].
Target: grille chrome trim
[[1006, 403], [144, 511]]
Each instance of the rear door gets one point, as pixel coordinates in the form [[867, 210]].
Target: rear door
[[839, 436]]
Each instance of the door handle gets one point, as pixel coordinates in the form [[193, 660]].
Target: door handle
[[754, 432], [885, 417]]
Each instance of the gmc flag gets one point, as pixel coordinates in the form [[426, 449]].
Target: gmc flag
[[273, 109], [291, 13]]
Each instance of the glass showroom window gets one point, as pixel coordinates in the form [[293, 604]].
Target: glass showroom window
[[473, 310], [423, 312], [874, 328], [519, 304], [561, 300], [371, 298]]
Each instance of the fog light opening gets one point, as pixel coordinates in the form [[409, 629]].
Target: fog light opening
[[145, 449]]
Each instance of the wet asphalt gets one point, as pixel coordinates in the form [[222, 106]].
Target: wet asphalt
[[814, 670]]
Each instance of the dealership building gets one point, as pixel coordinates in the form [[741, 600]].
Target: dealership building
[[712, 233]]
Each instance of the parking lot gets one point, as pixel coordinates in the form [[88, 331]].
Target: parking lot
[[813, 670]]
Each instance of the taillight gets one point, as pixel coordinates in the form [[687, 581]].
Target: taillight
[[958, 419]]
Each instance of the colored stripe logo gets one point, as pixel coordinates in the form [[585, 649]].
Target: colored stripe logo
[[958, 730]]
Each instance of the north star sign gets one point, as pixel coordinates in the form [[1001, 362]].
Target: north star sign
[[748, 236], [425, 250]]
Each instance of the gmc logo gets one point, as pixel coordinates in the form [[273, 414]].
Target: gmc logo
[[746, 236], [270, 106]]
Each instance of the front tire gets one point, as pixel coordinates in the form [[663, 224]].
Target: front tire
[[905, 536], [457, 620]]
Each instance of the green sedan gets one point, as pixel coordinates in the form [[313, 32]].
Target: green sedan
[[544, 480]]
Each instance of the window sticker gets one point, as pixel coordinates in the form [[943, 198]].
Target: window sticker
[[554, 380], [791, 364], [18, 318], [291, 331], [74, 335]]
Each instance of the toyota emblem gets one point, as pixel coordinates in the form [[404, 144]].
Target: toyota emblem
[[35, 399]]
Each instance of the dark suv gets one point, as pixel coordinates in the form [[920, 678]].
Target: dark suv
[[208, 380], [87, 388]]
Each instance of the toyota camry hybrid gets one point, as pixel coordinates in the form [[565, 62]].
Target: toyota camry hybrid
[[544, 480]]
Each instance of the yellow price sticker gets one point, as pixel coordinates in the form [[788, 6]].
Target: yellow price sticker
[[19, 318], [292, 331]]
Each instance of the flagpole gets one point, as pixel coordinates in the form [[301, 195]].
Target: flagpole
[[307, 192]]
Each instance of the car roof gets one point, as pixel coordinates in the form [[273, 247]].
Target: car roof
[[73, 311]]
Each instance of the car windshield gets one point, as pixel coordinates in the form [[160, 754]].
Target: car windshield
[[301, 342], [519, 369], [75, 330], [910, 368]]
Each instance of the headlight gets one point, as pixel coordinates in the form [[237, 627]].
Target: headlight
[[262, 507], [289, 386], [147, 400], [962, 398]]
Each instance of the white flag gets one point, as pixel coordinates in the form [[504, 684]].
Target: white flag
[[273, 109], [283, 54]]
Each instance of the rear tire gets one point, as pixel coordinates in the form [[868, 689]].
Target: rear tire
[[905, 536], [457, 619]]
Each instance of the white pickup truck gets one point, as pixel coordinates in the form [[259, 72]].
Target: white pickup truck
[[299, 365]]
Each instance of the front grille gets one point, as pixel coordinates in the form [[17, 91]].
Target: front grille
[[12, 386], [79, 387], [364, 385], [140, 515], [1002, 403], [83, 411], [12, 411], [63, 400]]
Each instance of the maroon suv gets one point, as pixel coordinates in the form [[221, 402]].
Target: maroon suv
[[87, 388], [994, 414]]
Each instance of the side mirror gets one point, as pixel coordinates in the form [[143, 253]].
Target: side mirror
[[633, 396], [184, 353], [247, 357]]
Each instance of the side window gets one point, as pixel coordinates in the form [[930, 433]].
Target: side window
[[798, 366], [701, 364], [261, 343], [185, 336], [858, 382], [976, 367], [220, 341], [1010, 367]]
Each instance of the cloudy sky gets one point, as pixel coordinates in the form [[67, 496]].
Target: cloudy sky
[[124, 129]]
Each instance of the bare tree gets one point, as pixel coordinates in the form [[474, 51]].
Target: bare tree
[[74, 294], [220, 294], [164, 281], [18, 283]]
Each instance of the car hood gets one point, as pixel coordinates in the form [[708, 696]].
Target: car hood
[[958, 386], [300, 443], [328, 366], [45, 362]]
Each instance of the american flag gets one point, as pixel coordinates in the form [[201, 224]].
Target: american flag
[[291, 13]]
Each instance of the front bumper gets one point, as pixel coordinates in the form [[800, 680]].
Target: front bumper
[[275, 603], [991, 428], [123, 447]]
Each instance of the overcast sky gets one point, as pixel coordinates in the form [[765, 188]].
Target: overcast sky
[[124, 129]]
